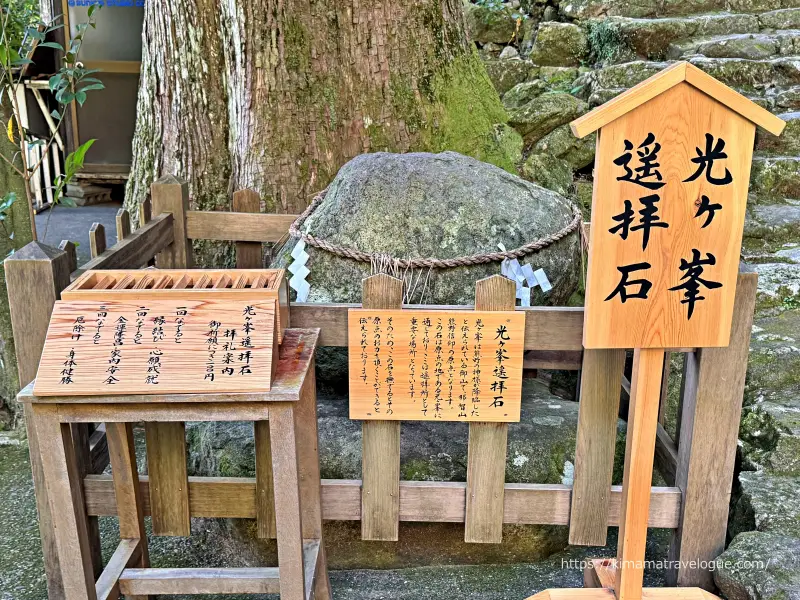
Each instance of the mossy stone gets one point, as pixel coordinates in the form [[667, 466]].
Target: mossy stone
[[543, 114], [490, 24], [434, 205], [559, 45], [548, 171], [563, 144], [506, 73], [522, 93], [759, 566], [787, 144]]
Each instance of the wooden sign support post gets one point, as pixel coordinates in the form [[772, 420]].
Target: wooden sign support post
[[672, 170]]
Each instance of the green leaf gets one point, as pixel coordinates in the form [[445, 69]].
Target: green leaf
[[65, 96], [80, 97], [21, 61], [92, 9], [55, 82], [56, 115], [80, 152], [93, 86], [55, 45], [67, 201]]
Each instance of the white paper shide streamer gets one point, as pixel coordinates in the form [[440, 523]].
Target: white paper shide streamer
[[524, 277], [300, 271]]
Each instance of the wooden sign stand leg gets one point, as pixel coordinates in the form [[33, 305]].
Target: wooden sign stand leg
[[622, 579]]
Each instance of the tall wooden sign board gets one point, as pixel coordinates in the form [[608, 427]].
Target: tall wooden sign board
[[670, 190]]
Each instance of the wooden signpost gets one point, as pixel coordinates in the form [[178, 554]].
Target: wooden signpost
[[435, 365], [670, 190]]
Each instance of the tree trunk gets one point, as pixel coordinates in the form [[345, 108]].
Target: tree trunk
[[276, 95], [18, 222]]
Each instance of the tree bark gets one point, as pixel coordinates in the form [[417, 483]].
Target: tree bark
[[276, 95], [17, 221]]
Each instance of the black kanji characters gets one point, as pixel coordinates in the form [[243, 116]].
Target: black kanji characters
[[646, 174], [622, 286], [705, 162], [706, 207], [691, 286]]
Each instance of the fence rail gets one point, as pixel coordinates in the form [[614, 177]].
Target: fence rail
[[700, 463]]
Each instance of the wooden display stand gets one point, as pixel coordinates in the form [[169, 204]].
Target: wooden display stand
[[671, 178], [285, 421]]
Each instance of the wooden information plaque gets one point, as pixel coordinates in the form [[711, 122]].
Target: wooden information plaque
[[157, 346], [429, 365]]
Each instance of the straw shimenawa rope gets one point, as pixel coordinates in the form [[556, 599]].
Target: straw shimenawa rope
[[430, 263]]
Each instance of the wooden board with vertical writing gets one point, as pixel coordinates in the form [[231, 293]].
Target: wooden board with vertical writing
[[429, 365], [157, 346], [670, 191]]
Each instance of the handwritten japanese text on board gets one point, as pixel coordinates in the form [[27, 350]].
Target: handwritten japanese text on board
[[435, 365], [671, 180], [157, 346]]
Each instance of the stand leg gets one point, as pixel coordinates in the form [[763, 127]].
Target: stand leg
[[287, 501], [639, 450], [66, 504], [310, 488]]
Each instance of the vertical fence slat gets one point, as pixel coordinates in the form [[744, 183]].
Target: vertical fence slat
[[72, 253], [380, 452], [248, 254], [145, 211], [712, 407], [486, 452], [265, 498], [166, 442], [169, 483], [97, 239], [598, 412], [171, 195], [123, 220], [41, 272]]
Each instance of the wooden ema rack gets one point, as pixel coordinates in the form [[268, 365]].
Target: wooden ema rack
[[241, 284], [286, 497]]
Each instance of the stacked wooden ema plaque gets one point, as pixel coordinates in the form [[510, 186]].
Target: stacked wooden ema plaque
[[165, 332]]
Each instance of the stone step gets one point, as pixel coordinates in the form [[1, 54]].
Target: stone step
[[621, 37], [775, 177], [787, 144], [585, 9], [774, 84], [751, 46]]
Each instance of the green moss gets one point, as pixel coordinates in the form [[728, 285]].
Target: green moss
[[467, 110], [606, 41], [416, 470], [297, 46], [405, 102]]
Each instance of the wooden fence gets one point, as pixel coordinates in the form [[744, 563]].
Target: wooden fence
[[698, 466]]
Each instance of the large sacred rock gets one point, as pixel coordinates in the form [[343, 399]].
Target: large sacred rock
[[435, 205]]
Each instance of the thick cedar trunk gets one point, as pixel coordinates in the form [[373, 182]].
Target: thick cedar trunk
[[278, 94]]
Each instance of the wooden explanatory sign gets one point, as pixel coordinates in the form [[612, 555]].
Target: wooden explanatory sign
[[430, 365], [158, 346]]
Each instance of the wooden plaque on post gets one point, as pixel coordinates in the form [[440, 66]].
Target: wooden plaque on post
[[431, 365]]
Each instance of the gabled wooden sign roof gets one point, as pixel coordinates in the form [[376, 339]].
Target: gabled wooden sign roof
[[666, 79]]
